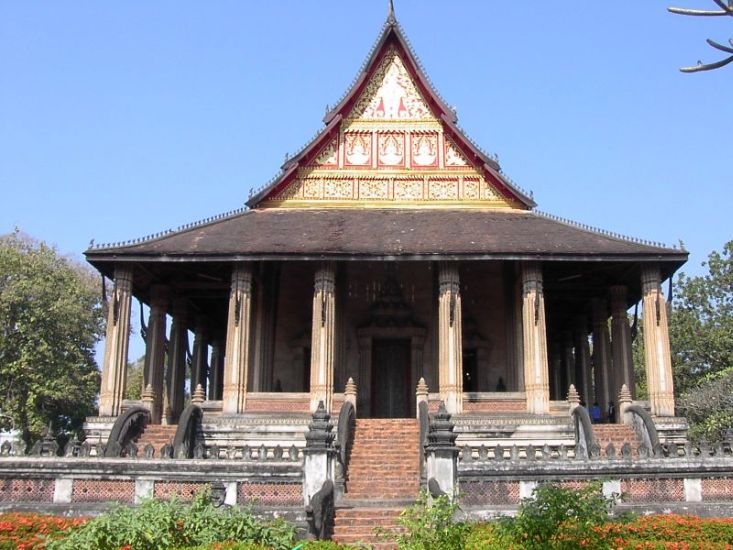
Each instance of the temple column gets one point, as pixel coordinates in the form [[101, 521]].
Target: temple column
[[114, 368], [200, 356], [450, 339], [602, 355], [582, 360], [236, 357], [216, 383], [656, 344], [536, 382], [323, 336], [176, 372], [155, 354], [623, 363]]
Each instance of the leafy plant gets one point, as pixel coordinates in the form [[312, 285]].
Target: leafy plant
[[155, 525], [429, 525], [560, 518]]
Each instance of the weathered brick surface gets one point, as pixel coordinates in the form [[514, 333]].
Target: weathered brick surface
[[276, 494], [717, 489], [27, 490], [92, 490], [489, 492], [157, 435], [618, 434], [366, 525], [166, 490], [653, 490]]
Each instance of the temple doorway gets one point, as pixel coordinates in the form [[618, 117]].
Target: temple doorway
[[390, 378]]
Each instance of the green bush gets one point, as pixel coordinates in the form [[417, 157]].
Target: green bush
[[559, 518], [157, 525], [429, 525]]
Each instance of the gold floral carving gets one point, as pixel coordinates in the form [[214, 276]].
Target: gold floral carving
[[391, 94], [312, 189], [374, 189], [338, 189], [292, 191], [471, 190], [408, 189], [443, 189], [328, 155], [453, 157]]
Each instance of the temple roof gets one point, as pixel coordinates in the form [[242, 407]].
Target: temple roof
[[401, 128], [386, 233]]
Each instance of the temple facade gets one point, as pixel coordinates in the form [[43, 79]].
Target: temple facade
[[389, 250]]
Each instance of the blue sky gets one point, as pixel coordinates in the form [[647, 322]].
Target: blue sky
[[120, 119]]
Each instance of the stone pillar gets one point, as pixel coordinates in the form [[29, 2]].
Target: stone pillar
[[450, 339], [155, 352], [656, 344], [536, 369], [442, 454], [602, 356], [365, 373], [323, 336], [176, 372], [216, 384], [582, 360], [114, 368], [557, 388], [623, 363], [236, 357], [200, 356]]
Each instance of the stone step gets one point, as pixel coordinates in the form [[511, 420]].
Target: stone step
[[361, 524]]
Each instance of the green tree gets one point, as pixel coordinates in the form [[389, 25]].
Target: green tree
[[701, 339], [134, 387], [51, 317], [701, 324]]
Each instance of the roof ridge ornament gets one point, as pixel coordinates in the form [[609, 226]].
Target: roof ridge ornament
[[391, 19]]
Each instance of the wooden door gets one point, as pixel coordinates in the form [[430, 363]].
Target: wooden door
[[390, 373]]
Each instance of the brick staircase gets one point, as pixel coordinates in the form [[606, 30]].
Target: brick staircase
[[618, 434], [383, 478], [157, 435]]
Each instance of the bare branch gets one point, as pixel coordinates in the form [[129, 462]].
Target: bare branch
[[714, 44], [707, 66], [686, 11]]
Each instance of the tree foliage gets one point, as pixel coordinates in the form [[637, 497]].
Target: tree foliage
[[701, 326], [701, 339], [51, 317]]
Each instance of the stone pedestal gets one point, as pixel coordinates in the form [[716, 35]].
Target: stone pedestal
[[236, 359], [320, 453], [656, 344], [536, 381], [450, 339], [323, 336], [442, 454], [114, 367]]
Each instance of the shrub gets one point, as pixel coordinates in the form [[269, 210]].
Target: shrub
[[560, 518], [33, 531], [156, 525], [429, 526], [672, 531]]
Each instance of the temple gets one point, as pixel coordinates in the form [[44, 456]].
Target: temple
[[390, 313], [389, 249]]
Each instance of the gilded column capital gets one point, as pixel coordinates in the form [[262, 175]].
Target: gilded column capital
[[650, 278], [123, 278], [448, 278], [600, 311], [618, 300]]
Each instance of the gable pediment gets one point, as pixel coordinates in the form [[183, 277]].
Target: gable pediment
[[391, 142]]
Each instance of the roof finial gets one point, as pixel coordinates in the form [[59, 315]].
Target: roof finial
[[390, 14]]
